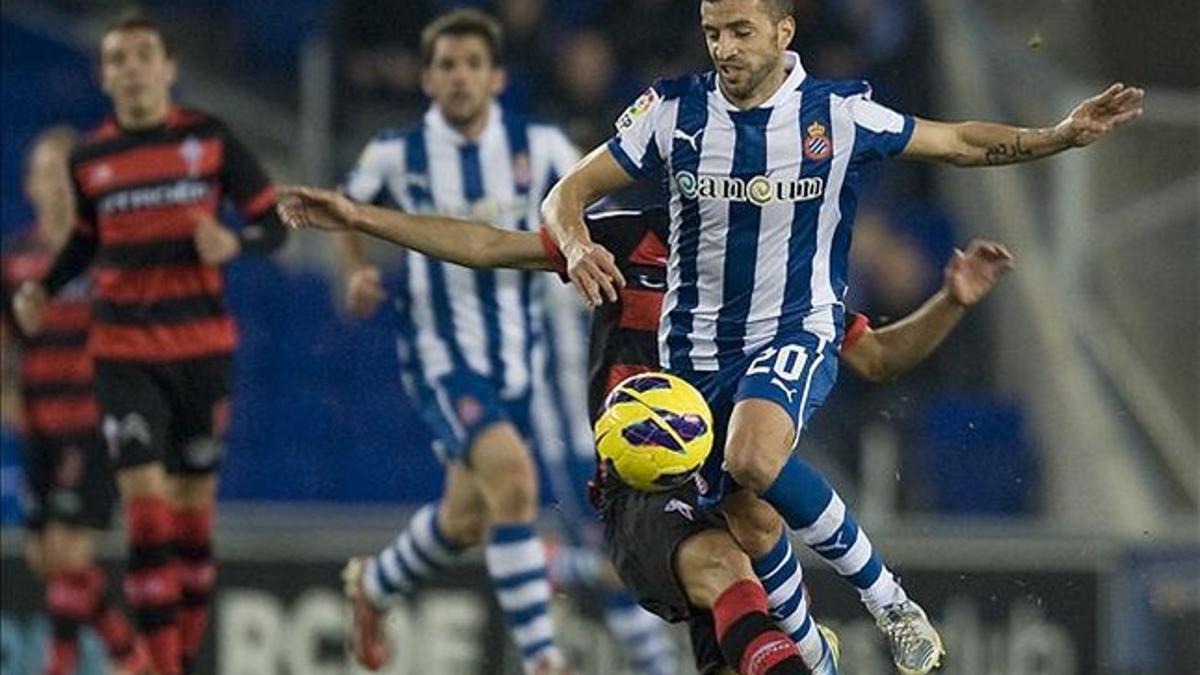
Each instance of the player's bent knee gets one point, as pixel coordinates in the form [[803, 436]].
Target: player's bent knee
[[708, 563], [752, 469], [143, 480], [67, 548], [465, 524]]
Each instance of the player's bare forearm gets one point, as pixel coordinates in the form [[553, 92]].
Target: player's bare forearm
[[352, 252], [462, 242], [909, 341], [989, 144], [971, 144], [595, 176]]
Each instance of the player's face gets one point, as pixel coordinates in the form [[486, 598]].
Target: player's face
[[48, 185], [136, 71], [745, 43], [462, 78]]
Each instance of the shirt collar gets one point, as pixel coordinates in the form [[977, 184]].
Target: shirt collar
[[441, 129], [795, 76]]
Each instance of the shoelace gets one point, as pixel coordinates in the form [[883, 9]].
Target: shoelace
[[902, 629]]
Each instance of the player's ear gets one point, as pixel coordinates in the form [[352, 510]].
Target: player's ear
[[499, 80], [427, 82], [172, 71], [785, 30]]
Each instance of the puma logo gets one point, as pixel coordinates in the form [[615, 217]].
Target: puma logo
[[791, 393], [837, 545], [681, 507], [692, 139]]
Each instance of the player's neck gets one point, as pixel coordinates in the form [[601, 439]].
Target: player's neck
[[137, 119], [473, 127], [763, 93]]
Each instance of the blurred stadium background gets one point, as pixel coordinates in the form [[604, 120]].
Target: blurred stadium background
[[1037, 483]]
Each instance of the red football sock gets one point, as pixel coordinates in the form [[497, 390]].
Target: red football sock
[[197, 576], [152, 580], [749, 638], [68, 601]]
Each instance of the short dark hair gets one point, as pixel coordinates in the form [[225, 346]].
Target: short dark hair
[[131, 20], [463, 22], [776, 9]]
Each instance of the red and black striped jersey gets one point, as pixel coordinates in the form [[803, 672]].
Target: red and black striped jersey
[[55, 366], [140, 195], [624, 338]]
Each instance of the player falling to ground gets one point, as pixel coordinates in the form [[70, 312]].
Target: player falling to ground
[[466, 336], [69, 492], [149, 184], [763, 161], [675, 556]]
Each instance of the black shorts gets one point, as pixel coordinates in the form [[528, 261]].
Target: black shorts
[[68, 480], [173, 412], [643, 530]]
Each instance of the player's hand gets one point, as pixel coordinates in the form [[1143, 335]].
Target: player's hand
[[29, 307], [594, 272], [1093, 118], [972, 275], [364, 291], [328, 210], [215, 243]]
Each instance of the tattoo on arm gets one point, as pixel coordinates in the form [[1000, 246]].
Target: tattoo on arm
[[1007, 153]]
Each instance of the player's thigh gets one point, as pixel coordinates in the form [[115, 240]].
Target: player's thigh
[[198, 394], [708, 563], [193, 490], [135, 414], [504, 470], [643, 532], [754, 523]]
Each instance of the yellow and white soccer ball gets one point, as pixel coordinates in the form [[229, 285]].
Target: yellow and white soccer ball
[[655, 431]]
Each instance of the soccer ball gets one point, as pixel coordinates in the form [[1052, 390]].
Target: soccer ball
[[655, 431]]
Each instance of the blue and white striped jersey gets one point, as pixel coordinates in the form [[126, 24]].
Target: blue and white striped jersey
[[457, 318], [761, 206]]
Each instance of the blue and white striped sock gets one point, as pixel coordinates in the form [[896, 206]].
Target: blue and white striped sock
[[516, 561], [783, 578], [420, 551], [643, 637], [810, 506]]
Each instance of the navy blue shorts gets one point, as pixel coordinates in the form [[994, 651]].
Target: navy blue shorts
[[459, 406], [796, 372]]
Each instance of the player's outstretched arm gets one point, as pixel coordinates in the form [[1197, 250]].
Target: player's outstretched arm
[[592, 269], [988, 144], [463, 242], [883, 354]]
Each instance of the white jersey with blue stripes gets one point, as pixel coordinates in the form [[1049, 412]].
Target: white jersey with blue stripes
[[761, 206], [455, 318]]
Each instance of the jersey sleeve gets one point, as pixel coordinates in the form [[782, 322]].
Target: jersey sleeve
[[367, 182], [635, 145], [244, 180], [85, 209], [879, 131]]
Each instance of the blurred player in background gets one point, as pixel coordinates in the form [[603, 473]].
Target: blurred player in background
[[663, 544], [148, 185], [69, 494], [763, 163], [467, 336]]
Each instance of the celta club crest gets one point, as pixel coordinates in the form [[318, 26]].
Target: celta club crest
[[817, 146], [192, 153]]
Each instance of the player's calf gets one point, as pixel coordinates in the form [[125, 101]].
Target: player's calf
[[716, 574]]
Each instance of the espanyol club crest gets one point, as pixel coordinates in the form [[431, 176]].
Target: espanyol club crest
[[470, 410], [816, 144], [192, 152]]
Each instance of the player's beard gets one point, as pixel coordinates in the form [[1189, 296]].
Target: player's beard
[[467, 114], [753, 78]]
